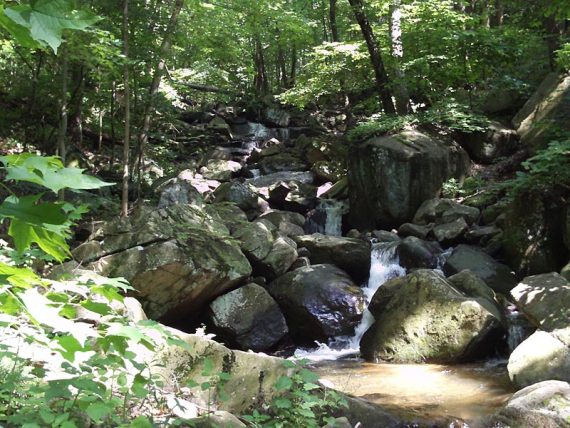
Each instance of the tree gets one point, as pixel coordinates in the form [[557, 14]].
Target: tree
[[127, 134], [401, 91], [382, 81]]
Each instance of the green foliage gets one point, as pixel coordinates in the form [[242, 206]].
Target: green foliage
[[546, 171], [563, 57], [450, 115], [302, 402]]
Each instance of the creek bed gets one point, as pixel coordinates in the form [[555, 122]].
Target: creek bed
[[423, 392]]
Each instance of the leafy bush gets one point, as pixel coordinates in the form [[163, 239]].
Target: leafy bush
[[303, 403], [563, 57]]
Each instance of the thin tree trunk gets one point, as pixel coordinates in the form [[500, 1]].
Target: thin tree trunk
[[332, 19], [113, 114], [498, 15], [157, 76], [127, 136], [32, 100], [283, 79], [400, 90], [77, 105], [293, 73], [381, 76], [62, 131], [260, 82]]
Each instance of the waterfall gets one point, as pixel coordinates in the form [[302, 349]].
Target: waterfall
[[518, 328], [384, 265], [327, 217]]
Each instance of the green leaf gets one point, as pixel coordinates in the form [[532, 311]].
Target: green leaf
[[141, 422], [98, 410], [47, 19], [205, 386], [98, 308], [69, 346], [283, 383], [20, 33], [282, 403]]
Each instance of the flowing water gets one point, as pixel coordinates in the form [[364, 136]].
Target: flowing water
[[327, 217]]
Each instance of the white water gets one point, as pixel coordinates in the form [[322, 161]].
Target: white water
[[384, 266], [518, 328], [328, 217]]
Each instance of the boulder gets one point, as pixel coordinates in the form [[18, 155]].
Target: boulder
[[276, 117], [545, 405], [319, 302], [221, 170], [227, 213], [488, 145], [349, 254], [177, 258], [496, 275], [293, 196], [421, 317], [472, 286], [385, 236], [533, 240], [482, 235], [414, 253], [542, 356], [176, 191], [547, 111], [243, 196], [410, 229], [565, 272], [281, 162], [284, 222], [216, 420], [450, 233], [544, 299], [391, 176], [249, 318], [444, 211]]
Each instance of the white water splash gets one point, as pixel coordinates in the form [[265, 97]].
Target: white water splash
[[383, 267]]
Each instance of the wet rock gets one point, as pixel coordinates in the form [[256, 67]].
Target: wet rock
[[415, 253], [301, 262], [545, 404], [496, 275], [276, 117], [410, 229], [421, 317], [472, 286], [339, 190], [329, 171], [391, 176], [216, 420], [227, 213], [281, 162], [265, 181], [444, 211], [249, 318], [241, 195], [544, 300], [565, 272], [349, 254], [368, 414], [482, 235], [177, 258], [450, 233], [293, 196], [319, 302], [176, 191], [542, 356], [385, 236]]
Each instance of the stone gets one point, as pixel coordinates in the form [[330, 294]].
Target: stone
[[287, 223], [496, 275], [249, 318], [565, 272], [410, 229], [544, 300], [385, 236], [221, 170], [472, 286], [339, 190], [444, 211], [293, 196], [177, 258], [329, 171], [319, 302], [486, 146], [547, 109], [176, 191], [482, 235], [421, 317], [227, 213], [339, 423], [216, 420], [533, 240], [414, 253], [349, 254], [450, 233], [265, 181], [301, 262], [276, 117], [366, 414], [281, 162], [542, 356], [391, 176], [545, 405], [243, 196]]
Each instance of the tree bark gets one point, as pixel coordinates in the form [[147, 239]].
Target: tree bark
[[260, 81], [62, 130], [293, 73], [401, 90], [382, 80], [127, 135], [153, 91], [332, 20]]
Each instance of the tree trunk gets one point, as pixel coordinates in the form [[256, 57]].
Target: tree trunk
[[401, 91], [62, 131], [77, 104], [153, 91], [127, 136], [260, 81], [498, 15], [332, 19], [382, 80], [293, 73]]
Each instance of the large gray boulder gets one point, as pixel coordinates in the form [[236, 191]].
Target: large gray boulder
[[287, 223], [496, 275], [488, 145], [243, 196], [177, 258], [350, 254], [414, 253], [319, 302], [421, 317], [442, 211], [545, 405], [249, 318], [390, 176], [546, 111], [293, 196], [545, 300]]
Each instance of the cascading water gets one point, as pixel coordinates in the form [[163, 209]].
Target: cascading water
[[327, 217], [518, 328], [384, 266]]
